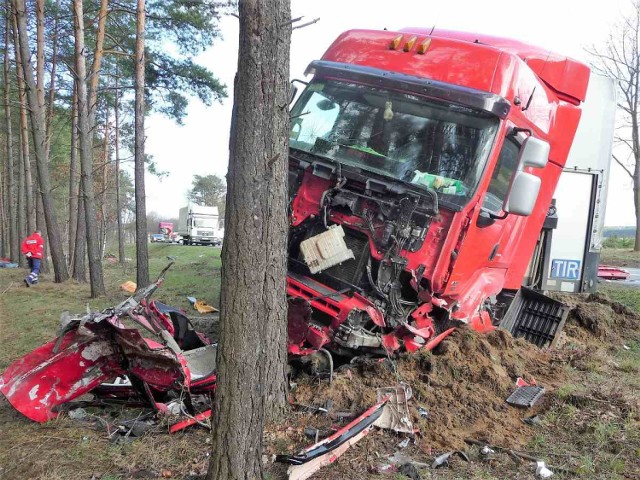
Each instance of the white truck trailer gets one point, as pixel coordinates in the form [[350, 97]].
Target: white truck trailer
[[568, 252], [198, 225]]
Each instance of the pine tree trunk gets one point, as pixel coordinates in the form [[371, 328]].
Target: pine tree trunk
[[252, 350], [37, 116], [80, 250], [29, 204], [96, 279], [103, 195], [121, 257], [74, 181], [52, 80], [142, 250], [25, 186], [14, 239]]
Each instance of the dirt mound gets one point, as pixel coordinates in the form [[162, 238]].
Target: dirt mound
[[596, 319], [463, 385]]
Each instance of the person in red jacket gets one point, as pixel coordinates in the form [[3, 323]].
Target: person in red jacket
[[33, 249]]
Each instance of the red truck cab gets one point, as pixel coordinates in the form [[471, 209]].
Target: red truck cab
[[422, 167]]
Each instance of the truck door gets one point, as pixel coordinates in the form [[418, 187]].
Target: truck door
[[489, 242]]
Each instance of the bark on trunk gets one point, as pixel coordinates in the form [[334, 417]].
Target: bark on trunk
[[142, 253], [252, 350], [636, 203], [74, 179], [14, 239], [121, 257], [103, 194], [52, 80], [96, 279], [25, 154], [80, 250], [37, 117]]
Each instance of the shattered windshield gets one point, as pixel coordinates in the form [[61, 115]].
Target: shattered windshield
[[425, 142]]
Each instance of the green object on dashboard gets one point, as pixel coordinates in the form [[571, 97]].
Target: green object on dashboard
[[439, 183]]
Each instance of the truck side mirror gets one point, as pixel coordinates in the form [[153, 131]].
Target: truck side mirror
[[524, 189], [533, 153], [523, 195]]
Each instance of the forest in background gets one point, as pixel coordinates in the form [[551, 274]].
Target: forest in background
[[73, 74]]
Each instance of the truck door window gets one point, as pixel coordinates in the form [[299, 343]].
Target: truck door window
[[501, 178]]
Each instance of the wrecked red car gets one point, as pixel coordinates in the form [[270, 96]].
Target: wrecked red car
[[100, 354]]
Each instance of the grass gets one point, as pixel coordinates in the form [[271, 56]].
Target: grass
[[620, 257], [626, 294]]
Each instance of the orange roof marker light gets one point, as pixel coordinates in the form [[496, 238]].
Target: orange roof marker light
[[409, 45], [395, 43], [424, 46]]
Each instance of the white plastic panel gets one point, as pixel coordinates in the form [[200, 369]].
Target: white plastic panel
[[326, 249]]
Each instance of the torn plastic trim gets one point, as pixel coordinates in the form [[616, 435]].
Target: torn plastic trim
[[327, 445]]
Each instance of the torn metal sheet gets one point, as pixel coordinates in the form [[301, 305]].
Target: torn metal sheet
[[395, 414], [326, 451]]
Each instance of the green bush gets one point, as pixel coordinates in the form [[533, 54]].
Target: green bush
[[618, 242]]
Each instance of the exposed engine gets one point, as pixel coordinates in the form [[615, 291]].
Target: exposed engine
[[348, 257]]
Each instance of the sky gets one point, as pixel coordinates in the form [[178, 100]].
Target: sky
[[200, 146]]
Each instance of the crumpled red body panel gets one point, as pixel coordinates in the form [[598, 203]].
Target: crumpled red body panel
[[43, 379]]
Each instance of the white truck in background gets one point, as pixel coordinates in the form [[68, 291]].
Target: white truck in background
[[198, 225]]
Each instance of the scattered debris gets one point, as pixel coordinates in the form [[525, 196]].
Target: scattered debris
[[525, 396], [404, 443], [487, 451], [395, 415], [542, 471], [533, 420], [129, 286], [443, 460], [607, 272], [409, 470], [537, 318], [88, 353], [201, 306], [325, 452], [77, 414], [197, 419]]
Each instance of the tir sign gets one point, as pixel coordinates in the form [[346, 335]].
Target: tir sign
[[565, 269]]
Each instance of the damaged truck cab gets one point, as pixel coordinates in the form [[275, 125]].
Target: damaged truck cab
[[422, 167]]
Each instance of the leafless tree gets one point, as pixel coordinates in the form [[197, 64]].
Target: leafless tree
[[619, 58]]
